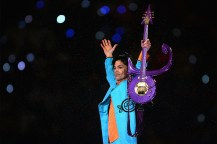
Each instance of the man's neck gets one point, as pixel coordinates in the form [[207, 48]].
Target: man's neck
[[118, 82]]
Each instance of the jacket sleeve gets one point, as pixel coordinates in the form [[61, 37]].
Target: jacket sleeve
[[138, 64], [109, 71]]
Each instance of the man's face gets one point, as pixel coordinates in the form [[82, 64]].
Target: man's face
[[120, 70]]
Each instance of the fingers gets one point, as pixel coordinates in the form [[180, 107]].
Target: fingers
[[114, 47], [106, 45], [106, 42], [145, 43], [109, 43], [102, 46]]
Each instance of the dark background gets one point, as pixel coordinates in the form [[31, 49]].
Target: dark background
[[55, 98]]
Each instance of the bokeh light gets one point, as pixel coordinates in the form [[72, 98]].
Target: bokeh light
[[12, 58], [201, 118], [10, 88], [205, 79], [21, 65], [70, 33], [133, 6], [104, 10], [121, 9], [28, 19], [6, 67], [99, 35], [116, 38], [61, 18], [30, 57], [192, 59], [40, 4], [85, 3]]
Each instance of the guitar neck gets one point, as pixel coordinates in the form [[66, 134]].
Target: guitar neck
[[145, 33], [144, 52]]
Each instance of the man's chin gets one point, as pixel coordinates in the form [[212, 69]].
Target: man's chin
[[120, 79]]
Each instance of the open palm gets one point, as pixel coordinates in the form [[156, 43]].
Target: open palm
[[107, 47]]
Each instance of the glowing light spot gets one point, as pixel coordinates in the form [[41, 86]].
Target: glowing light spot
[[30, 57], [116, 38], [100, 35], [12, 58], [6, 67], [85, 4], [99, 13], [105, 10], [205, 79], [9, 88], [133, 6], [121, 9], [21, 65], [40, 4], [201, 118], [61, 19], [28, 19], [192, 59], [70, 33]]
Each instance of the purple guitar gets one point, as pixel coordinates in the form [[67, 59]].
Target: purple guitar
[[141, 88]]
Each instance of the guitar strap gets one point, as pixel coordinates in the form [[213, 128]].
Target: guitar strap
[[139, 120], [139, 116]]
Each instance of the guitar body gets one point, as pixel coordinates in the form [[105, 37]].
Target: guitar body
[[142, 90]]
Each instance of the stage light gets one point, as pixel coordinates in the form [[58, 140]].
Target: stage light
[[85, 3], [40, 4], [12, 58], [205, 79], [30, 57], [133, 6], [61, 19], [6, 67], [192, 59], [99, 35], [103, 10], [21, 65], [28, 19], [121, 9], [9, 88], [70, 33], [116, 38], [201, 118]]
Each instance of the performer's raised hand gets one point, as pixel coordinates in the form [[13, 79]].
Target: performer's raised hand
[[146, 44], [108, 48]]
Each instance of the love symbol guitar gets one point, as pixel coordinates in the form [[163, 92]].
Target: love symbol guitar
[[141, 88]]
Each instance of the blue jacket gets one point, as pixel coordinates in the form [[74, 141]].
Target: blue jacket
[[118, 93]]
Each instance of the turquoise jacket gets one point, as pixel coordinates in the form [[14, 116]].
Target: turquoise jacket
[[118, 93]]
